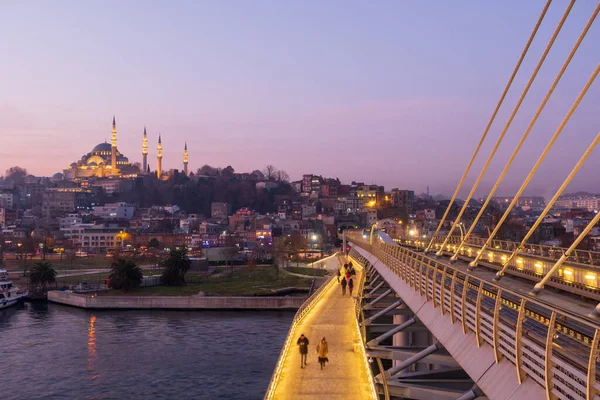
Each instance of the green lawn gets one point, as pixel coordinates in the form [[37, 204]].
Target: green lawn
[[308, 271], [242, 282]]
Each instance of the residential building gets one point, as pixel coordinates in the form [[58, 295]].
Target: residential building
[[403, 199], [119, 210], [7, 200], [59, 201], [220, 210]]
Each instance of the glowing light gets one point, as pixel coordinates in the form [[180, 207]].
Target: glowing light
[[538, 268], [412, 232]]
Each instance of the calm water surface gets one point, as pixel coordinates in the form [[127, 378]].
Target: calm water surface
[[57, 352]]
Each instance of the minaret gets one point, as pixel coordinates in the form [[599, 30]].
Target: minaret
[[185, 160], [113, 156], [145, 152], [159, 158]]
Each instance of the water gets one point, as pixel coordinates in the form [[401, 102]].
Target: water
[[58, 352]]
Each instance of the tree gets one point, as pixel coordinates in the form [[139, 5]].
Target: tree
[[282, 176], [280, 249], [42, 273], [207, 170], [153, 243], [228, 172], [257, 175], [269, 172], [125, 274], [176, 266], [297, 243], [16, 174], [137, 166]]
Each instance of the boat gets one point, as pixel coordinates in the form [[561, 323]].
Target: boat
[[9, 294]]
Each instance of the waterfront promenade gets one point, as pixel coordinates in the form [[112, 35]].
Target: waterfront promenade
[[345, 376]]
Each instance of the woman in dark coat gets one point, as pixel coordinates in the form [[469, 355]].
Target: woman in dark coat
[[343, 283]]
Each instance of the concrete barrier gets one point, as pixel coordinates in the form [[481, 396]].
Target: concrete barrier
[[175, 302]]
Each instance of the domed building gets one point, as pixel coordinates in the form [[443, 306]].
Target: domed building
[[104, 160]]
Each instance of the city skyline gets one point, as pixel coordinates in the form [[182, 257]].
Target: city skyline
[[284, 85]]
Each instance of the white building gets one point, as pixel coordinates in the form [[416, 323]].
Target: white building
[[119, 210], [8, 200]]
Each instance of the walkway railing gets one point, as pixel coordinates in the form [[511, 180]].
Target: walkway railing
[[581, 279], [304, 309], [550, 345]]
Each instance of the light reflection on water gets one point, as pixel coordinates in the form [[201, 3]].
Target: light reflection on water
[[92, 347], [57, 352]]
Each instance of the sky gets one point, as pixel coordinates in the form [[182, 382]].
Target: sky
[[390, 92]]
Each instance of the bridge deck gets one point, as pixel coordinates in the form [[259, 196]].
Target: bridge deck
[[345, 376]]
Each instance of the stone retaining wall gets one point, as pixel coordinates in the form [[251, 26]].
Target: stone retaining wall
[[175, 302]]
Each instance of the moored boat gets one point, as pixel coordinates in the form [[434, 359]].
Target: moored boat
[[9, 294]]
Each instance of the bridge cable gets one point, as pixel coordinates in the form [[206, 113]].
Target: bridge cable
[[539, 220], [530, 127], [567, 180], [508, 123], [540, 285], [538, 162], [493, 117]]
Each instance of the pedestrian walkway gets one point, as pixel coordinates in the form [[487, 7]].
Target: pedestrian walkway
[[345, 376]]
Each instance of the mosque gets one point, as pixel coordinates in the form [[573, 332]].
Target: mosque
[[105, 160]]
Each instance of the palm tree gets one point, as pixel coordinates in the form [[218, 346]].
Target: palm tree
[[176, 266], [125, 274], [42, 273]]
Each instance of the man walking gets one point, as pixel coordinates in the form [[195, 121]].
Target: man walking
[[303, 347], [343, 283]]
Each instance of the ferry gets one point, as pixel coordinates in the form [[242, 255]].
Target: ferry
[[9, 294]]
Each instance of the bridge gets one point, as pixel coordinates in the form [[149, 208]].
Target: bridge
[[423, 327], [441, 316]]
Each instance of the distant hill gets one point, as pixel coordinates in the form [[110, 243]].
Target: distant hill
[[578, 194]]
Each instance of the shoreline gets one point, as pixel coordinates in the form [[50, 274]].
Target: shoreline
[[175, 302]]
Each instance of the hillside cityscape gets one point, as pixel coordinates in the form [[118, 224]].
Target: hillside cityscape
[[104, 202]]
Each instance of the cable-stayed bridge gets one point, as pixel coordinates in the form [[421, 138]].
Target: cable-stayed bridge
[[447, 316]]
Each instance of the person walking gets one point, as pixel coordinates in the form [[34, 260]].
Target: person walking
[[343, 283], [339, 273], [350, 286], [323, 352], [303, 347]]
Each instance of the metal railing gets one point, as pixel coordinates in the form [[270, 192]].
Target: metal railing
[[304, 309], [585, 257], [579, 278], [552, 346]]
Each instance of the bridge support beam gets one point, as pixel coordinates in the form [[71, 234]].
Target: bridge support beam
[[392, 331], [383, 312], [471, 394], [416, 358], [378, 299]]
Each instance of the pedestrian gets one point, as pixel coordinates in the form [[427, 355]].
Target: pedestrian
[[343, 283], [339, 274], [303, 347], [323, 352], [350, 286]]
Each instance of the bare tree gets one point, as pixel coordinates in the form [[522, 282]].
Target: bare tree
[[270, 172], [282, 176]]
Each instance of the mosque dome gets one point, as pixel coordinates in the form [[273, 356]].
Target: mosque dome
[[102, 147]]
